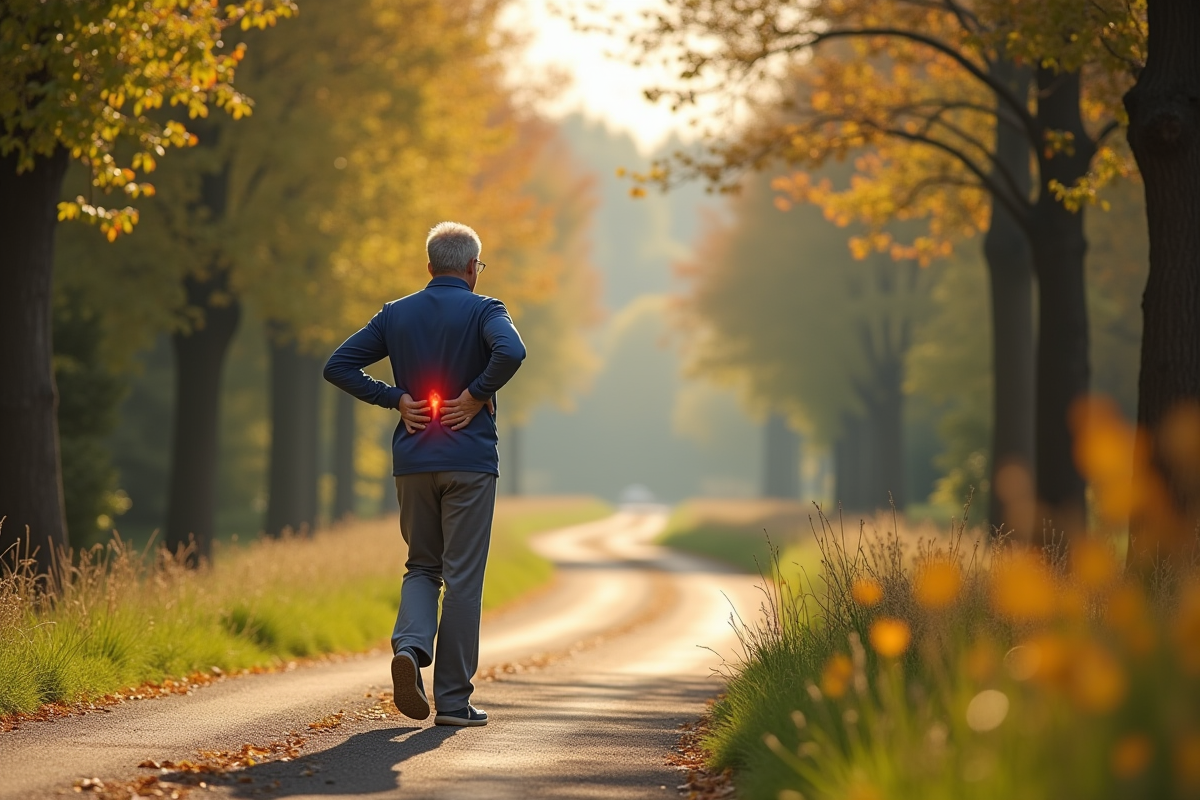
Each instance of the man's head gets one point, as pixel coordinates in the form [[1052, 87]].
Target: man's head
[[454, 249]]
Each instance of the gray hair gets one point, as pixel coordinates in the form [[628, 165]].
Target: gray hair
[[451, 246]]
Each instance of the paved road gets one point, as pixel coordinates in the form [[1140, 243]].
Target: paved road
[[591, 678]]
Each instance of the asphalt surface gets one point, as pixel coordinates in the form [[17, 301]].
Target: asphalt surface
[[586, 684]]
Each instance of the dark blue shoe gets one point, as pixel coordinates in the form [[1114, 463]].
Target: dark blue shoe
[[407, 692], [469, 717]]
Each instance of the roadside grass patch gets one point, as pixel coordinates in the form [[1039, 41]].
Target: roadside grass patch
[[772, 538], [112, 617], [959, 667], [734, 531]]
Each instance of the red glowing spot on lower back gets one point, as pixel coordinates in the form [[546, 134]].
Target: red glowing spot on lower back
[[435, 400]]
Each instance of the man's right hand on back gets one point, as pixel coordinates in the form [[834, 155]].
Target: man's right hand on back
[[415, 413], [458, 413]]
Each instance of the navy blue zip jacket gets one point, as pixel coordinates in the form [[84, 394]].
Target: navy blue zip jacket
[[443, 339]]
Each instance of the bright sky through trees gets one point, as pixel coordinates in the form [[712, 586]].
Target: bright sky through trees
[[600, 86]]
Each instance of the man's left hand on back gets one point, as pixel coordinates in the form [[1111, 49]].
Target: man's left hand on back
[[458, 413]]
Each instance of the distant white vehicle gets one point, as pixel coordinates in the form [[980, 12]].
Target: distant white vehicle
[[637, 495]]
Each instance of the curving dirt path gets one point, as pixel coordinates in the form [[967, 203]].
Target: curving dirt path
[[585, 684]]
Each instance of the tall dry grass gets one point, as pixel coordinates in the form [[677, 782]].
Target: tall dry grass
[[111, 616], [911, 666], [776, 537]]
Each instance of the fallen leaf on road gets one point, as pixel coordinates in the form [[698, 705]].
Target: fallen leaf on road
[[154, 690], [690, 756], [327, 723]]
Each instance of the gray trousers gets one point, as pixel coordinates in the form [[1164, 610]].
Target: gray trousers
[[446, 521]]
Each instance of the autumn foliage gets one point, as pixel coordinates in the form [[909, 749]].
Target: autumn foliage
[[89, 77]]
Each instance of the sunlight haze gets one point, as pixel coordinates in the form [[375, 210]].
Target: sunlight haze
[[600, 86]]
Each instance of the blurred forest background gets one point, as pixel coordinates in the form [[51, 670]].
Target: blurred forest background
[[683, 344]]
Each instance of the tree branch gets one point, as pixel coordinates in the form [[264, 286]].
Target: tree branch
[[1002, 92], [998, 181], [1019, 210], [966, 18], [998, 165], [1106, 131]]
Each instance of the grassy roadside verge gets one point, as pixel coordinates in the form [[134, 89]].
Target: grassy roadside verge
[[117, 619], [735, 532], [940, 669]]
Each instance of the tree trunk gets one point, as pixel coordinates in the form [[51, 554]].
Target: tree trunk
[[1164, 134], [842, 474], [1010, 271], [880, 390], [199, 358], [850, 466], [781, 459], [886, 460], [512, 469], [31, 495], [1063, 370], [344, 473], [295, 431]]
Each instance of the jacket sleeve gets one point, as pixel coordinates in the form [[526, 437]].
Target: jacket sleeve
[[344, 369], [505, 348]]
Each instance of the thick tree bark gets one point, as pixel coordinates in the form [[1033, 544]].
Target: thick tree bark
[[781, 459], [512, 468], [850, 464], [199, 358], [1063, 367], [344, 474], [31, 495], [886, 460], [1164, 134], [1010, 273], [869, 455], [884, 345], [843, 470], [295, 430]]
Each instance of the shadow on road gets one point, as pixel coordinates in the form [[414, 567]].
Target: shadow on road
[[366, 763]]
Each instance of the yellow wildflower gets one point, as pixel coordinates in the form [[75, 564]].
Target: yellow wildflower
[[1072, 602], [890, 637], [1187, 760], [1128, 614], [938, 584], [1093, 565], [1052, 658], [835, 678], [1131, 755], [1098, 682], [866, 592], [1022, 588], [1104, 443]]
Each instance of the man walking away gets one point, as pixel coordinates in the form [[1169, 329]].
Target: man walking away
[[451, 350]]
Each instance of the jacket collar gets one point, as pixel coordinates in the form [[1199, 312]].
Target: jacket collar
[[448, 280]]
